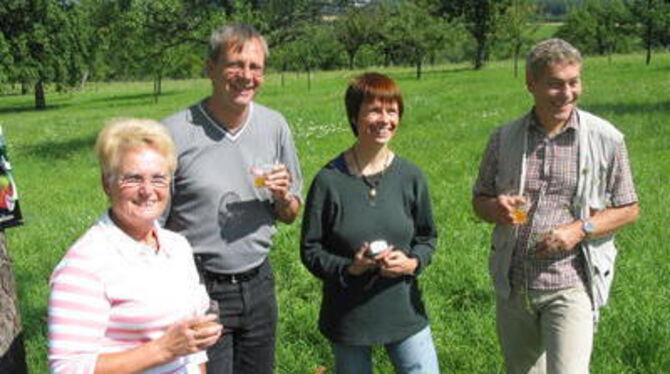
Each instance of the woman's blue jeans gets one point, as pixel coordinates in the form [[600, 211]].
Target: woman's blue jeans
[[412, 355]]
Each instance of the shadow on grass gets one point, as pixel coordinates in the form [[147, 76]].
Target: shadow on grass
[[643, 350], [61, 150], [31, 108], [470, 297], [12, 93], [628, 108], [131, 97], [411, 75], [34, 321], [33, 309]]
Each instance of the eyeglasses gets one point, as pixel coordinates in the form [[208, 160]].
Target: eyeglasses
[[239, 67], [136, 180]]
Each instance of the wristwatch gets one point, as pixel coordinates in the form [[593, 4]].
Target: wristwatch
[[588, 227], [286, 201]]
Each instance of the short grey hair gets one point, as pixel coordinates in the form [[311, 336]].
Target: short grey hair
[[233, 37], [551, 52]]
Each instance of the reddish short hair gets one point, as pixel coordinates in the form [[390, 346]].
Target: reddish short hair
[[368, 87]]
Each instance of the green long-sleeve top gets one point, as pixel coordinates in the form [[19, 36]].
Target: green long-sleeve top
[[339, 218]]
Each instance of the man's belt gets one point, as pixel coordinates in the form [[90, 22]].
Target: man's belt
[[234, 278]]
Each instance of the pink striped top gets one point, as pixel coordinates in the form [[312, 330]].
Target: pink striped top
[[111, 293]]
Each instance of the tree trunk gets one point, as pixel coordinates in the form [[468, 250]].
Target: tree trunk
[[12, 353], [517, 51], [283, 71], [309, 80], [418, 68], [157, 86], [40, 101], [610, 50], [480, 55], [84, 79], [600, 42], [649, 35], [351, 61], [24, 88]]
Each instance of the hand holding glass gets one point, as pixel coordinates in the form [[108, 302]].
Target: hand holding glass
[[260, 173], [520, 212], [212, 310]]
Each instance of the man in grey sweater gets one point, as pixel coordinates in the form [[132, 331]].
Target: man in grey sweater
[[238, 172], [557, 184]]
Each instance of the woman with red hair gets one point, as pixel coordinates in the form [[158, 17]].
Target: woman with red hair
[[368, 233]]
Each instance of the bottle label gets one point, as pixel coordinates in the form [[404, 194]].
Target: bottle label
[[10, 212]]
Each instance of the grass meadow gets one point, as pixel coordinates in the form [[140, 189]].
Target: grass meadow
[[449, 115]]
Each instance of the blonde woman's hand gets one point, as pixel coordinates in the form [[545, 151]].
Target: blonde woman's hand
[[186, 337]]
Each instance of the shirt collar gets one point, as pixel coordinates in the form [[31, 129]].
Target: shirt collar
[[129, 246], [571, 125], [221, 128]]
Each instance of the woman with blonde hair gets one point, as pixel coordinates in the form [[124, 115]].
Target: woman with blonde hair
[[126, 296]]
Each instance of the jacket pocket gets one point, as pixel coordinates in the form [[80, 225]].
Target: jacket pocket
[[603, 255]]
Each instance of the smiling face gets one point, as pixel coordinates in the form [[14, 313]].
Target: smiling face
[[556, 91], [377, 121], [139, 190], [237, 74]]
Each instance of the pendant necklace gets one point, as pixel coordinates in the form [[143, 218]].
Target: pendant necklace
[[372, 185]]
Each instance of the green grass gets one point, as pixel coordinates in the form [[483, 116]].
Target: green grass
[[546, 30], [449, 115]]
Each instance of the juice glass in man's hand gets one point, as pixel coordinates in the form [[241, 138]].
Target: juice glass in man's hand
[[520, 212], [259, 172]]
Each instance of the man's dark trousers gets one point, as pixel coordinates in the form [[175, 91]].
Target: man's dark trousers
[[248, 310]]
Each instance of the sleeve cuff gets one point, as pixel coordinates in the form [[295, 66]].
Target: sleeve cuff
[[345, 277], [421, 265], [197, 358]]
